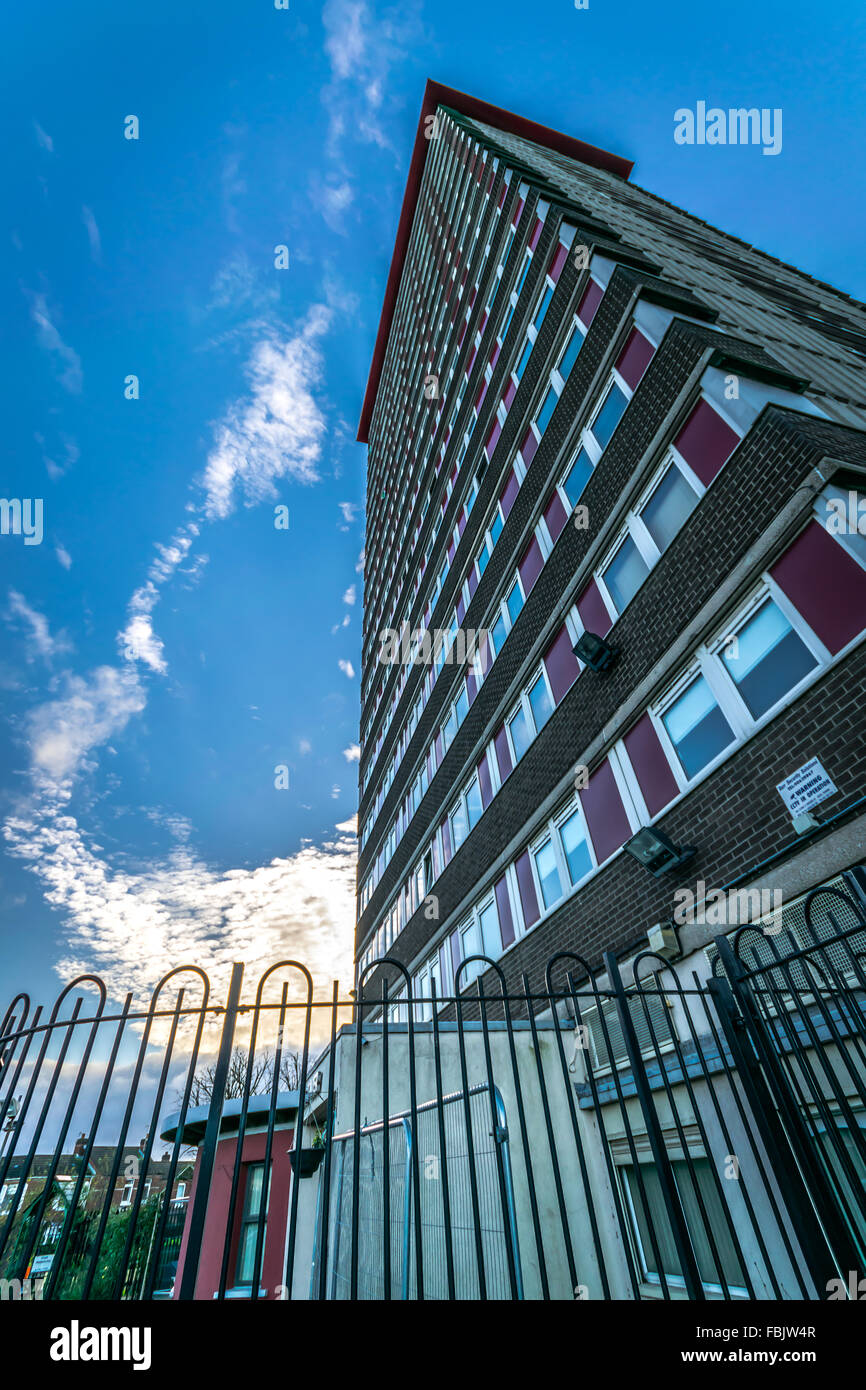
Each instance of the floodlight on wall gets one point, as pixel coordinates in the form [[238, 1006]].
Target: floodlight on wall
[[656, 852], [594, 652]]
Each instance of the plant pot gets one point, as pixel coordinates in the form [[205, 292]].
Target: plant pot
[[310, 1160]]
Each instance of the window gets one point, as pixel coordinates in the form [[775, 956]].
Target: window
[[488, 923], [766, 659], [548, 873], [499, 634], [696, 727], [252, 1209], [542, 420], [521, 734], [474, 806], [514, 601], [577, 477], [524, 358], [541, 702], [572, 348], [543, 307], [572, 835], [669, 506], [470, 945], [609, 415], [126, 1194], [648, 1216], [625, 573]]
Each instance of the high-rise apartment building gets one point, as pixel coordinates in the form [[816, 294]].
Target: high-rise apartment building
[[615, 582]]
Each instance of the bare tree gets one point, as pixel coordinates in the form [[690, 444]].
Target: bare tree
[[261, 1078]]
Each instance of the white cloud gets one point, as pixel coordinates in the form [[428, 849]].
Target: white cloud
[[71, 376], [93, 236], [335, 792], [43, 138], [304, 746], [63, 732], [347, 668], [278, 429], [63, 556], [352, 754], [349, 595], [332, 200], [39, 635], [360, 563]]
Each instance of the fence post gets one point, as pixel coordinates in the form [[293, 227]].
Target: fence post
[[207, 1157], [821, 1232], [664, 1168]]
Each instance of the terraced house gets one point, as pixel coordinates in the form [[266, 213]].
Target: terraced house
[[628, 448]]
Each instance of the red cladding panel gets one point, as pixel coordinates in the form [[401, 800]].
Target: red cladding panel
[[634, 358], [503, 753], [558, 262], [503, 908], [510, 393], [593, 613], [530, 565], [561, 664], [446, 839], [528, 899], [590, 301], [536, 233], [528, 447], [485, 783], [492, 438], [652, 769], [706, 442], [555, 515], [605, 813], [509, 492], [825, 584]]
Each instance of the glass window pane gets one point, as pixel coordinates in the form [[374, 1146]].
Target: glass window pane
[[541, 703], [459, 824], [578, 476], [461, 706], [572, 348], [767, 658], [524, 358], [496, 528], [548, 874], [546, 411], [575, 848], [671, 503], [490, 936], [247, 1253], [696, 727], [521, 735], [474, 807], [610, 415], [625, 573], [483, 557], [542, 308], [449, 729], [514, 602], [499, 634]]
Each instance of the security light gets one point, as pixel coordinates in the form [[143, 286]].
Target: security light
[[594, 652], [656, 852]]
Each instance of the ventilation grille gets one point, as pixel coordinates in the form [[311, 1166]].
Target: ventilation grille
[[645, 1010]]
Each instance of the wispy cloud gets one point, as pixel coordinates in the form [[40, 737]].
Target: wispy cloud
[[39, 639], [349, 595], [67, 360], [43, 138], [352, 754], [63, 556], [93, 236], [347, 668]]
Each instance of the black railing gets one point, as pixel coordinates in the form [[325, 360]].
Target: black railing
[[667, 1135]]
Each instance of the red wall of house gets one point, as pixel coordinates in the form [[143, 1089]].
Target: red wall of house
[[210, 1263]]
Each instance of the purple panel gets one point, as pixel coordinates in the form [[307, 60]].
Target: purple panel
[[446, 839], [558, 262], [508, 494], [503, 753], [461, 522], [510, 393], [589, 302], [531, 564], [605, 813], [494, 355], [528, 447], [455, 952], [652, 769], [555, 515], [706, 442], [536, 233], [492, 438], [461, 608], [472, 581], [503, 908], [485, 783], [451, 549], [635, 357], [562, 664], [528, 899], [438, 747], [471, 686], [481, 394], [825, 584], [593, 613], [444, 967]]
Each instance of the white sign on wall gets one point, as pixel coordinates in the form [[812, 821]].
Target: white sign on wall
[[805, 788]]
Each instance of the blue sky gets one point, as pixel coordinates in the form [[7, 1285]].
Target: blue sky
[[166, 647]]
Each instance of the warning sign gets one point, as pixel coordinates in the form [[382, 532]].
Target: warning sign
[[805, 788]]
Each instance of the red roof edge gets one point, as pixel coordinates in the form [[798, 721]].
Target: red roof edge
[[435, 94]]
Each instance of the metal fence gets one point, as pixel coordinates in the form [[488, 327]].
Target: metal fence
[[672, 1134]]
